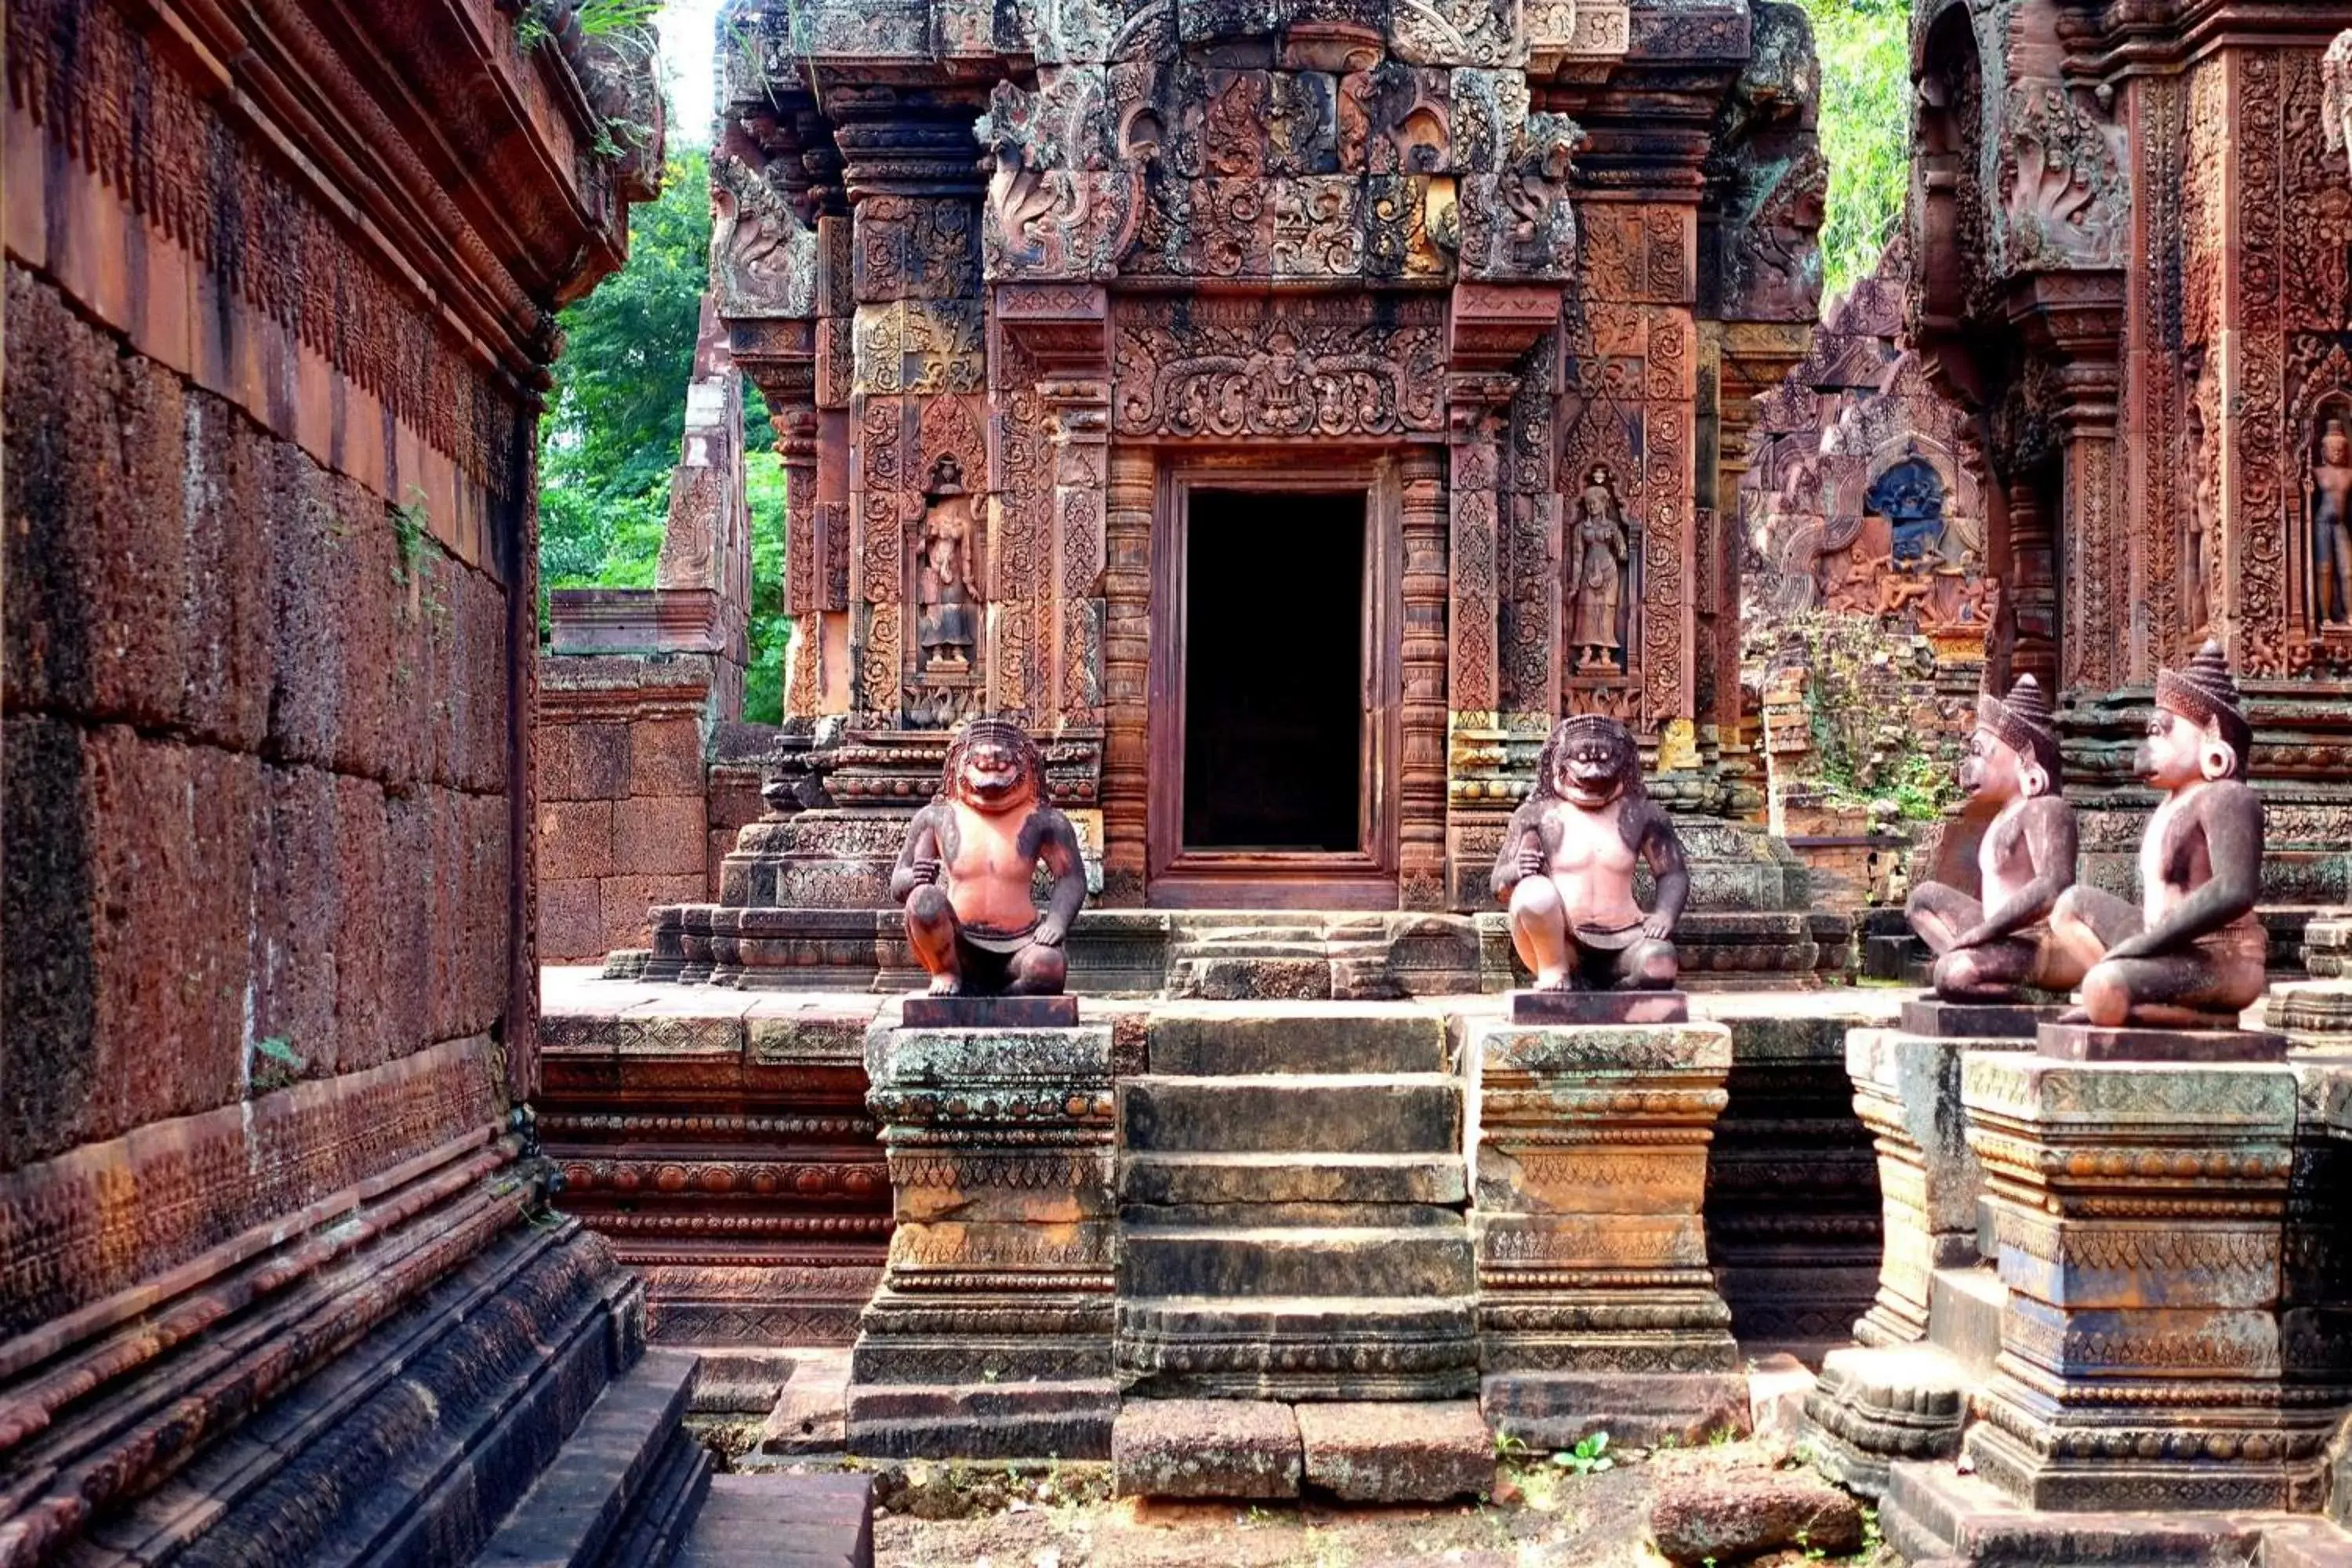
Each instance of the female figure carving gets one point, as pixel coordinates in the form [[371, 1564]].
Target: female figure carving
[[1596, 575]]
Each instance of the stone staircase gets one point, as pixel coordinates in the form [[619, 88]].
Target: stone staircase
[[1292, 1206], [633, 1487]]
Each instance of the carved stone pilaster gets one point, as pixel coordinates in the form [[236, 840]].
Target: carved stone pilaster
[[917, 366], [1127, 676], [2139, 1213], [2077, 319], [1420, 805], [991, 1334], [1596, 1307], [1476, 806]]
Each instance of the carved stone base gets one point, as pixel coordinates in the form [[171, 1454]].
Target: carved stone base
[[991, 1335], [1872, 1407], [1064, 1418], [1906, 1088], [1359, 1349], [1931, 1513], [1559, 1007], [1938, 1019], [1596, 1308], [2139, 1212], [2091, 1043], [1559, 1409], [861, 945], [990, 1012]]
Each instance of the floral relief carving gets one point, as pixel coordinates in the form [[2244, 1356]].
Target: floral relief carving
[[1218, 368]]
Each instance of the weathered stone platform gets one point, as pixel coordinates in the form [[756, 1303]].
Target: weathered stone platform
[[721, 1141], [1216, 955]]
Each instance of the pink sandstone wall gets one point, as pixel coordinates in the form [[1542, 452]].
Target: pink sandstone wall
[[266, 979]]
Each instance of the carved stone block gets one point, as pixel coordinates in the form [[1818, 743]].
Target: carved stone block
[[1876, 1405], [990, 1333], [1596, 1307], [2139, 1212], [1907, 1089]]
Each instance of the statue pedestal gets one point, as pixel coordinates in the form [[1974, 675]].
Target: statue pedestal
[[1570, 1007], [1902, 1392], [2092, 1042], [1596, 1307], [2139, 1209], [926, 1012], [991, 1334], [1937, 1019]]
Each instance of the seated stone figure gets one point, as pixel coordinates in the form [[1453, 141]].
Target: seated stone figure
[[2192, 955], [964, 873], [1567, 866], [1987, 949]]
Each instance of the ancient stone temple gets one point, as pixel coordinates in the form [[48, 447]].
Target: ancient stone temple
[[1865, 625], [1287, 411], [278, 1279], [2132, 280]]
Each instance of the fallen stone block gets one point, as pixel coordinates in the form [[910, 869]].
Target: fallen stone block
[[1431, 1452], [811, 1410], [1729, 1517], [1204, 1448]]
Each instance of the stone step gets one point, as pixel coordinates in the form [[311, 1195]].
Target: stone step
[[582, 1502], [1305, 1319], [1412, 1261], [1304, 975], [1371, 1113], [1298, 1347], [811, 1415], [1283, 1177], [1013, 1419], [1247, 1215], [1964, 1308], [785, 1521], [1334, 1037]]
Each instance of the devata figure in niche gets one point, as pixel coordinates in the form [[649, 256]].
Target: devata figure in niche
[[1567, 866], [1987, 950], [1596, 575], [2331, 525], [2194, 957], [964, 874], [943, 623]]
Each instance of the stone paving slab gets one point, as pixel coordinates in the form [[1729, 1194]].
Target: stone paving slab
[[1426, 1452], [1205, 1449]]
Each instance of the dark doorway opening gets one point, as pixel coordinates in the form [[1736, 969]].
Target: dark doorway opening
[[1274, 671]]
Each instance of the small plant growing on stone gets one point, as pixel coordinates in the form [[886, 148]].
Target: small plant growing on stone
[[1722, 1438], [276, 1064], [531, 29], [1508, 1448], [598, 17], [1588, 1457], [410, 524]]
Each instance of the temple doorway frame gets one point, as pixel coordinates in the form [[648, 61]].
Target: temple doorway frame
[[1365, 878]]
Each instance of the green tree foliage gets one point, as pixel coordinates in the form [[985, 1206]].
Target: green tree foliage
[[618, 414], [1865, 49]]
